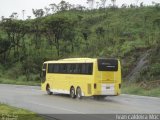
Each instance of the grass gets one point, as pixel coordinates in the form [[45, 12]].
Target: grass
[[14, 76], [135, 89], [19, 82], [13, 113]]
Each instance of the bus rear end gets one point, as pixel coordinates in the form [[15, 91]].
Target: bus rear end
[[107, 77]]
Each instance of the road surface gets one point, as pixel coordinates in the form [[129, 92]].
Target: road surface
[[32, 98]]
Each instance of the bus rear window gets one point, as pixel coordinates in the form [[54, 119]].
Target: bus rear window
[[107, 64]]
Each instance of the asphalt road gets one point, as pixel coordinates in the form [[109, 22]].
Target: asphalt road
[[32, 98]]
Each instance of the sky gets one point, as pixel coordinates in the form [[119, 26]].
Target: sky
[[7, 7]]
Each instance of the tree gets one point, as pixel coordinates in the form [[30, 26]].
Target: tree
[[132, 6], [55, 26], [157, 6], [86, 32], [54, 7], [15, 30], [69, 37], [14, 15], [63, 5], [100, 32], [46, 10], [28, 17], [38, 12], [141, 4], [103, 3], [36, 31], [80, 7], [69, 6], [5, 46], [2, 17], [156, 25], [113, 2], [97, 5], [137, 3], [124, 6], [156, 22]]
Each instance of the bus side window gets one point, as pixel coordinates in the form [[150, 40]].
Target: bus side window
[[50, 68], [89, 68], [56, 68], [69, 68], [60, 68], [79, 68], [74, 70], [83, 71], [63, 68]]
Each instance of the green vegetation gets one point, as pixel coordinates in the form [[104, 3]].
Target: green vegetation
[[14, 75], [19, 81], [131, 34], [135, 89], [8, 112]]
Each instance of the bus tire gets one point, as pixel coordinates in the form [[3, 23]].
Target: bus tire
[[48, 90], [79, 93], [72, 92]]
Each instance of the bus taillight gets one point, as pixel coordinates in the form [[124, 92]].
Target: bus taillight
[[95, 85]]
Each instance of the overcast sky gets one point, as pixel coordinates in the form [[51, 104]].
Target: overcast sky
[[7, 7]]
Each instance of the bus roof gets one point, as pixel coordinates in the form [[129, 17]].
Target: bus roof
[[69, 60]]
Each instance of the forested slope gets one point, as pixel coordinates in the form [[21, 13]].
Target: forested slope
[[130, 34]]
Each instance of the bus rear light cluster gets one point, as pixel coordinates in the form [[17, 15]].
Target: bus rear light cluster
[[95, 85]]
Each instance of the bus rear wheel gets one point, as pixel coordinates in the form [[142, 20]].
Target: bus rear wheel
[[48, 90], [72, 92], [79, 93]]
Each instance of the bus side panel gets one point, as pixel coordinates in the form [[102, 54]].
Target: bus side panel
[[78, 81]]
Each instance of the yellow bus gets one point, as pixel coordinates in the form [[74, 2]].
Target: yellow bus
[[98, 77]]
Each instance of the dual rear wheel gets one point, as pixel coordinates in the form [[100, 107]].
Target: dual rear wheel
[[77, 94]]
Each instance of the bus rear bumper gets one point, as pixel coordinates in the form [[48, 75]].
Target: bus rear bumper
[[107, 89]]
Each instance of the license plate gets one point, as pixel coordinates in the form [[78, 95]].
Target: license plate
[[108, 87]]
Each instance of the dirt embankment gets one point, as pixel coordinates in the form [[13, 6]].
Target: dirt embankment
[[141, 65]]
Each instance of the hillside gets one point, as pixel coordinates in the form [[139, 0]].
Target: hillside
[[130, 34]]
